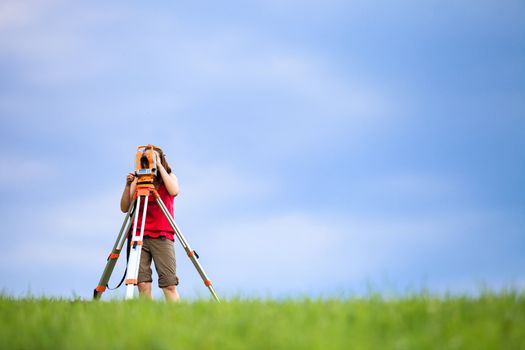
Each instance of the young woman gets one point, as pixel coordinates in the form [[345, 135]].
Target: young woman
[[158, 234]]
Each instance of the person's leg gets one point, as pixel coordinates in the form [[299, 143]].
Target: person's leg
[[171, 294], [145, 290], [163, 254], [144, 277]]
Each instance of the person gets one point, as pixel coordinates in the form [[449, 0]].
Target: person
[[158, 240]]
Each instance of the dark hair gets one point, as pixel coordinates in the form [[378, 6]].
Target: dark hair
[[164, 162], [163, 159]]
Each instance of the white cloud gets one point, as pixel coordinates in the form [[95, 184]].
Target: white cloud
[[86, 216], [53, 43], [29, 171], [289, 252], [17, 13], [205, 186], [193, 65], [88, 223], [51, 254], [300, 97], [247, 59], [71, 232], [413, 184], [298, 252], [305, 99], [272, 253]]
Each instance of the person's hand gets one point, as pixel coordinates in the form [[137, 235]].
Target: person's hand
[[159, 163], [129, 179]]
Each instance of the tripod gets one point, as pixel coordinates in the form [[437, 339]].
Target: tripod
[[143, 191]]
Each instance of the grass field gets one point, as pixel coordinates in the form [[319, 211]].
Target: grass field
[[488, 321]]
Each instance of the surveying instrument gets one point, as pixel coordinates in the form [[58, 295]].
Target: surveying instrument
[[146, 171]]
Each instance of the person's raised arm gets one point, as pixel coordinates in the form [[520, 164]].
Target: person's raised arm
[[170, 180], [127, 194]]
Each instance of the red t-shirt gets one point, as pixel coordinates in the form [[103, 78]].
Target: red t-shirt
[[156, 223]]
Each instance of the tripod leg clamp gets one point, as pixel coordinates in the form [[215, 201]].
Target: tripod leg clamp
[[193, 253], [113, 256], [100, 289]]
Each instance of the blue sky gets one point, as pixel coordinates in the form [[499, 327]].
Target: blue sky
[[322, 147]]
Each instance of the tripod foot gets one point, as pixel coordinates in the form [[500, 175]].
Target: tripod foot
[[97, 292]]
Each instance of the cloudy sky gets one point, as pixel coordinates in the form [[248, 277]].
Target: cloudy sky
[[322, 147]]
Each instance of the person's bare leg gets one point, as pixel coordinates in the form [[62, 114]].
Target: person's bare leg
[[145, 290], [171, 294]]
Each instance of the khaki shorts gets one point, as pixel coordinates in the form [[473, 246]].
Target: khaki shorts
[[163, 254]]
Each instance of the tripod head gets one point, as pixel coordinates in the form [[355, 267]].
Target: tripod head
[[145, 164]]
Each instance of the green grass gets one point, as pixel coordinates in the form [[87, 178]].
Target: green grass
[[488, 321]]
